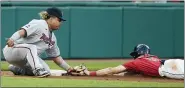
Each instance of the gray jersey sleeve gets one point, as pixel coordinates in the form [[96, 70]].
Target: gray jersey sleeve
[[53, 51], [30, 29]]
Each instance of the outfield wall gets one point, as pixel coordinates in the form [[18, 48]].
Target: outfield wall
[[105, 29]]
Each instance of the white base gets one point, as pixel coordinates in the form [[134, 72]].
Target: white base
[[55, 72]]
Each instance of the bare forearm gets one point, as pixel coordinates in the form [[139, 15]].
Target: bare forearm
[[108, 71]]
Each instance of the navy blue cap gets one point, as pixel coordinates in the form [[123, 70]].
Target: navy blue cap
[[55, 12]]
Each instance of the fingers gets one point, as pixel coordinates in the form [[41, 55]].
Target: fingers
[[10, 42], [71, 69]]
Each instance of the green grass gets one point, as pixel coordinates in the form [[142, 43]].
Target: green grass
[[92, 65], [52, 82]]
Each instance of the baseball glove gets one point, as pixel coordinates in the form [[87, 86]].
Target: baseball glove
[[77, 70]]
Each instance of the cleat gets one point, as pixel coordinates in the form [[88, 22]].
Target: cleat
[[41, 73], [15, 70]]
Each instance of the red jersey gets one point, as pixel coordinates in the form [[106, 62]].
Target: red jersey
[[145, 64]]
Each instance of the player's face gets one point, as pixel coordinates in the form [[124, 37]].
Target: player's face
[[55, 23]]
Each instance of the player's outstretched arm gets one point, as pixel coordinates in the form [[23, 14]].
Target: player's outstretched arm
[[107, 71], [61, 63]]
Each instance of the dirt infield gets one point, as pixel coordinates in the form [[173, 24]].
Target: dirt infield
[[130, 77], [138, 78]]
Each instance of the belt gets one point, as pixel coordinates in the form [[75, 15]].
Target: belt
[[162, 62]]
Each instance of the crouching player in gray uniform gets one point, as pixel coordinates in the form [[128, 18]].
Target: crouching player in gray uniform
[[24, 46]]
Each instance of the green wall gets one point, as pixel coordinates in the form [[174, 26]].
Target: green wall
[[149, 26], [105, 29], [178, 28], [96, 32]]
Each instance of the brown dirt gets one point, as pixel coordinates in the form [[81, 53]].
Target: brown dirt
[[138, 78], [130, 77]]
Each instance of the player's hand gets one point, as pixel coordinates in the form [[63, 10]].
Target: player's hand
[[71, 69], [10, 42], [77, 70]]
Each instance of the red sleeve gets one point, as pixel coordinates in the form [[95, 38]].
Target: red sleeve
[[130, 65]]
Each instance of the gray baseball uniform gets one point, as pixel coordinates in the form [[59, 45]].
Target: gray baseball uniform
[[26, 51]]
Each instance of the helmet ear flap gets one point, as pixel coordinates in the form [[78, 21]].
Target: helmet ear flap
[[134, 54]]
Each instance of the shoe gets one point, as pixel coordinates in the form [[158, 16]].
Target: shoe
[[41, 73], [16, 70]]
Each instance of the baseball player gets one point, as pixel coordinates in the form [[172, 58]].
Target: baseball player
[[26, 45], [145, 64]]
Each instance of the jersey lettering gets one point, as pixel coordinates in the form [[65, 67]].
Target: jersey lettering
[[47, 40], [27, 26]]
